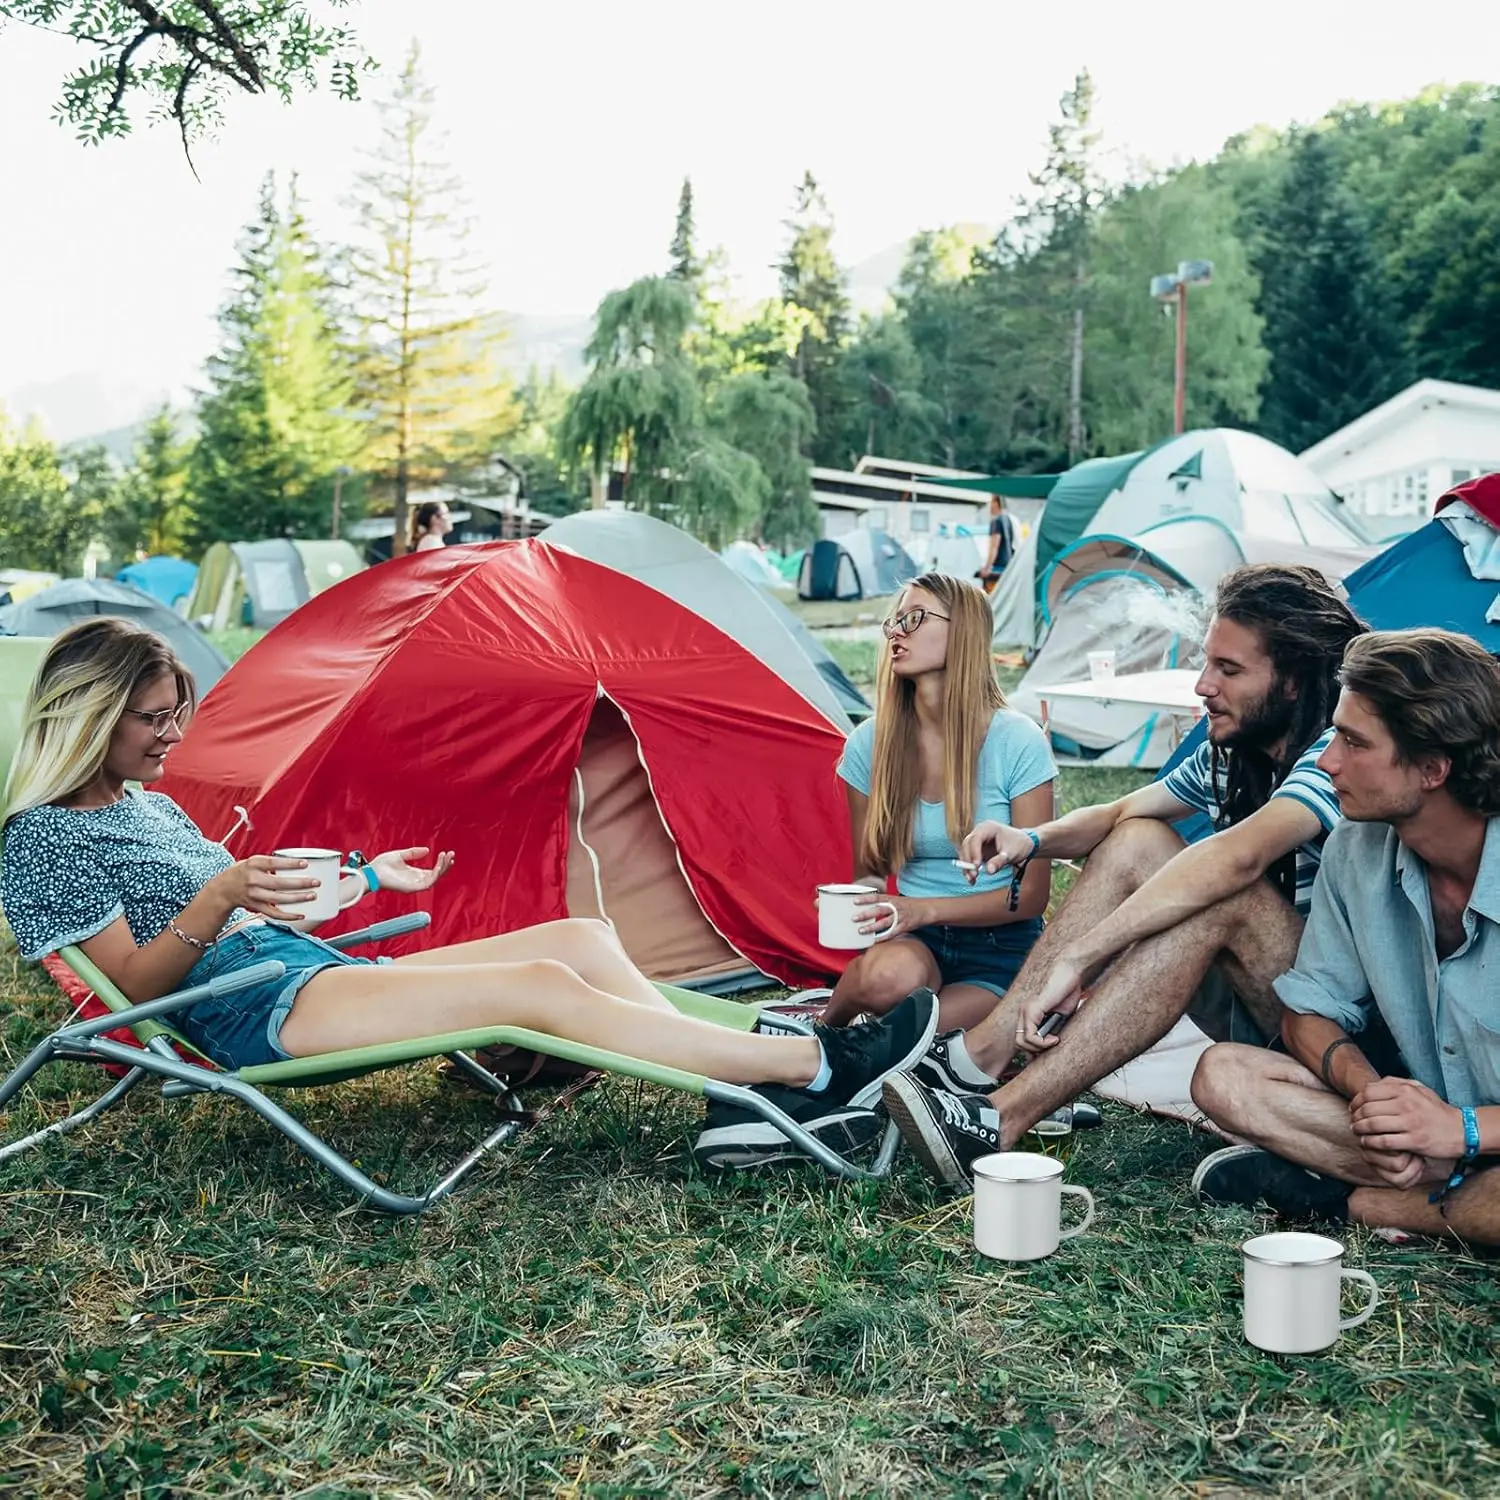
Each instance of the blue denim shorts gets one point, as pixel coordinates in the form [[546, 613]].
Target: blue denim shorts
[[243, 1029], [989, 957]]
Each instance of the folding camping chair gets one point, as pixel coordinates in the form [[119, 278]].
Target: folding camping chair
[[156, 1058]]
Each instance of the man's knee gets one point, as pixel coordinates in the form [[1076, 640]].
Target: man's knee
[[1137, 849], [1224, 1080]]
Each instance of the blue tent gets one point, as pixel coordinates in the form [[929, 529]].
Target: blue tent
[[166, 578]]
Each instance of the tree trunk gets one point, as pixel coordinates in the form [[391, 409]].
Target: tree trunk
[[598, 488], [1075, 387]]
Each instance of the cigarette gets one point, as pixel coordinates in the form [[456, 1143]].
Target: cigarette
[[965, 864]]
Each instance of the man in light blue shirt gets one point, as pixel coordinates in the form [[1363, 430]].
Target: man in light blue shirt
[[1387, 1111]]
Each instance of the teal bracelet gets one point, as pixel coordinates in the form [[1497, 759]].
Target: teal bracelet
[[1471, 1132], [371, 878]]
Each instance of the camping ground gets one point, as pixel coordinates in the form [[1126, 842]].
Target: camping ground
[[186, 1307]]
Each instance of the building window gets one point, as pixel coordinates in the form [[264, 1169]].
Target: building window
[[1462, 476], [876, 518], [921, 520]]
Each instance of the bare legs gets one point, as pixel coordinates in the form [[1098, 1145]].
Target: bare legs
[[1273, 1101], [542, 990], [1145, 991]]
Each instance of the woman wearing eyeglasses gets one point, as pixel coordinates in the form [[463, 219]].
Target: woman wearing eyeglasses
[[941, 750], [123, 873]]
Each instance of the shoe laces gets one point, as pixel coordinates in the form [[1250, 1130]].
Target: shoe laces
[[963, 1111]]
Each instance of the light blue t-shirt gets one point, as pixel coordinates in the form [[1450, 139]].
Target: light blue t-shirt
[[1014, 760]]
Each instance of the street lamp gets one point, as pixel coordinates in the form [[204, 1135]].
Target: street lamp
[[340, 474], [1172, 287]]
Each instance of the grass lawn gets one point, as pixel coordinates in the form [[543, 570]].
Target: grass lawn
[[187, 1308]]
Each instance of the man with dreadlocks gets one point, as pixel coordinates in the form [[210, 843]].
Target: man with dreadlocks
[[1153, 928]]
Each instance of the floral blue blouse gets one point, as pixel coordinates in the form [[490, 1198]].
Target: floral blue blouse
[[67, 873]]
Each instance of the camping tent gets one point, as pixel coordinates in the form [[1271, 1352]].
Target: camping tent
[[1143, 597], [959, 553], [17, 584], [74, 599], [169, 579], [750, 562], [261, 583], [672, 562], [861, 564], [1240, 481], [584, 744]]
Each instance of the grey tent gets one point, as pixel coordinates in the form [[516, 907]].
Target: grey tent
[[251, 583], [53, 610], [671, 562], [861, 564]]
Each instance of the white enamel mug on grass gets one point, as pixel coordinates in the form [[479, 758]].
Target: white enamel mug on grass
[[1018, 1206], [839, 918], [323, 865], [1292, 1287]]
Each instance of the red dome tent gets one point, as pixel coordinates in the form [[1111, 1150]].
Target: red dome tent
[[585, 745]]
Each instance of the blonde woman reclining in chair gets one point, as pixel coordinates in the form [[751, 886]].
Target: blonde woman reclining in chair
[[127, 877]]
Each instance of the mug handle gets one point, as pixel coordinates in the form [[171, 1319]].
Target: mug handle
[[1364, 1314], [350, 870], [880, 937], [1088, 1218]]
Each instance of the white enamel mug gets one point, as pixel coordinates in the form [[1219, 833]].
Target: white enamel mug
[[324, 867], [839, 918], [1292, 1286], [1018, 1206]]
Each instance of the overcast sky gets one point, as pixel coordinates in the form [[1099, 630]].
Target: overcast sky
[[574, 123]]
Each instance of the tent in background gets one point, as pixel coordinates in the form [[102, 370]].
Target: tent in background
[[861, 564], [261, 583], [584, 744], [17, 584], [750, 562], [672, 562], [960, 554], [169, 579], [20, 656], [54, 609]]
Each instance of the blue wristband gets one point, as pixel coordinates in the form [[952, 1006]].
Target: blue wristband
[[1471, 1133], [371, 878]]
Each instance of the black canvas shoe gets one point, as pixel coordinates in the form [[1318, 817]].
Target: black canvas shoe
[[841, 1115], [946, 1065], [735, 1138], [948, 1132], [1248, 1175]]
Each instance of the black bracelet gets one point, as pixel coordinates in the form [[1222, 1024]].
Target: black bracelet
[[1333, 1046]]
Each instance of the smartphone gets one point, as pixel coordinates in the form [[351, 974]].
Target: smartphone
[[1054, 1023]]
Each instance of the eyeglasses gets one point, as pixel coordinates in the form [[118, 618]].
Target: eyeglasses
[[910, 622], [162, 720]]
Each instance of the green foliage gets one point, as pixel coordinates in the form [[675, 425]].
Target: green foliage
[[1331, 331], [180, 59], [770, 418], [434, 396], [814, 294], [685, 265], [274, 423], [53, 506], [154, 514]]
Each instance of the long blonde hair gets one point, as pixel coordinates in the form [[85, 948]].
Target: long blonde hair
[[970, 701], [86, 679]]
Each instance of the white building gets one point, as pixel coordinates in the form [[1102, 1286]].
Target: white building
[[1391, 464], [899, 498]]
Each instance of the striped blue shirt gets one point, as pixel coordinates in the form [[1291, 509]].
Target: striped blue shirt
[[1191, 783]]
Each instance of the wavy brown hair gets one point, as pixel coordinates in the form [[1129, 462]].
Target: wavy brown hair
[[970, 702], [1437, 693]]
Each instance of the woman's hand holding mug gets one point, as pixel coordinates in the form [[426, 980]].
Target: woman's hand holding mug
[[268, 886]]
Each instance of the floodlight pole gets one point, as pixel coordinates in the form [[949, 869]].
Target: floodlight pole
[[1179, 393]]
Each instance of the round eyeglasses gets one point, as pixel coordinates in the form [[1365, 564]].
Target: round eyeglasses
[[163, 720], [909, 622]]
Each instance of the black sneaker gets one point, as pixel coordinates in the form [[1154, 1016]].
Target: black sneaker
[[1248, 1175], [841, 1115], [863, 1057], [735, 1138], [947, 1066], [948, 1132]]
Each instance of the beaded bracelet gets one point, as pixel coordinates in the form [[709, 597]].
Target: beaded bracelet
[[188, 938]]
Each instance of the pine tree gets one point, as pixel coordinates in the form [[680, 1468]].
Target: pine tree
[[154, 515], [812, 288], [684, 264], [437, 400], [274, 424], [1331, 330]]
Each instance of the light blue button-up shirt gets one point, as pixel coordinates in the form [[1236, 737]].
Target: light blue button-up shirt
[[1369, 946]]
